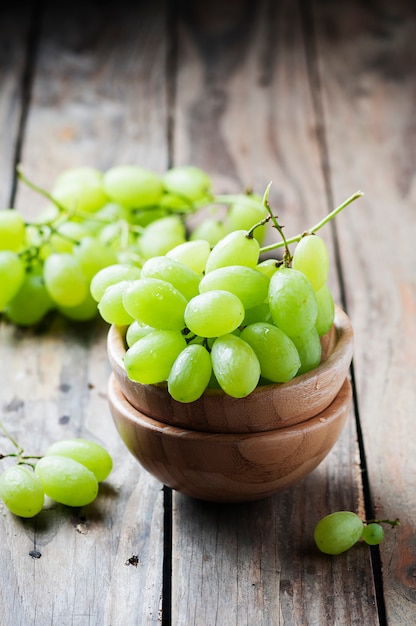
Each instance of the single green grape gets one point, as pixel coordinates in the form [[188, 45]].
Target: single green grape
[[338, 532], [21, 491], [80, 189], [111, 307], [277, 354], [12, 275], [309, 348], [244, 213], [210, 229], [247, 283], [150, 359], [193, 254], [155, 302], [32, 301], [311, 257], [66, 481], [93, 256], [89, 453], [326, 310], [162, 235], [12, 230], [292, 301], [188, 182], [373, 534], [110, 275], [174, 272], [235, 365], [133, 186], [136, 330], [64, 279], [190, 373], [214, 313], [236, 248]]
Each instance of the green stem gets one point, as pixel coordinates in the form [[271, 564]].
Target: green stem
[[392, 523], [10, 438], [316, 227]]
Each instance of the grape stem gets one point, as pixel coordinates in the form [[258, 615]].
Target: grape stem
[[21, 458], [392, 523], [285, 242]]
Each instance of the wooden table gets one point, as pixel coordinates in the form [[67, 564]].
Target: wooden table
[[320, 98]]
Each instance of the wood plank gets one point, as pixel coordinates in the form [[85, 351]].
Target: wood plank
[[367, 55], [244, 112], [98, 99], [15, 31]]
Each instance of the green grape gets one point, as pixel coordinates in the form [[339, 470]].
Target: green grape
[[93, 256], [248, 284], [190, 373], [66, 481], [144, 217], [244, 213], [32, 301], [193, 254], [188, 182], [64, 279], [373, 534], [210, 229], [234, 249], [236, 366], [214, 313], [133, 186], [309, 348], [177, 274], [326, 310], [12, 274], [150, 359], [136, 331], [292, 301], [82, 312], [66, 236], [277, 354], [161, 236], [21, 491], [88, 453], [311, 257], [259, 313], [110, 275], [338, 532], [12, 230], [80, 189], [155, 302], [268, 266], [111, 307]]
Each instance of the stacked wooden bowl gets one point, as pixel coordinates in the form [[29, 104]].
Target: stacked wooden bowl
[[225, 449]]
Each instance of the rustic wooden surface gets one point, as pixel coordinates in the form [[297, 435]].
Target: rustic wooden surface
[[318, 97]]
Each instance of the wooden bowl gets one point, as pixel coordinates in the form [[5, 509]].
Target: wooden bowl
[[228, 467], [268, 407]]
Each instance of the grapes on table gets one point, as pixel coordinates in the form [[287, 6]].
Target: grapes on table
[[69, 473], [123, 244]]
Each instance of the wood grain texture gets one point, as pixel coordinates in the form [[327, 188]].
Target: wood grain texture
[[366, 56], [246, 113], [98, 98]]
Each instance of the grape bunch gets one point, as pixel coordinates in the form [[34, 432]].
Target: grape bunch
[[69, 473], [338, 532], [220, 316], [95, 219]]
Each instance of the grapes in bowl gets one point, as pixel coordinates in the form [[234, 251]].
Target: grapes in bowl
[[267, 407]]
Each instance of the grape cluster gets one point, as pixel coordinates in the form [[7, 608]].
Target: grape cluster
[[220, 317], [338, 532], [69, 473], [95, 219]]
